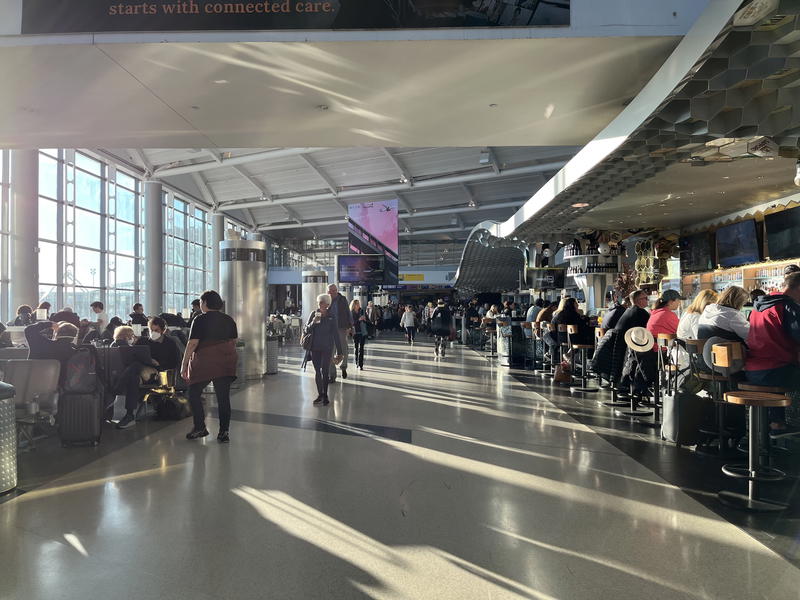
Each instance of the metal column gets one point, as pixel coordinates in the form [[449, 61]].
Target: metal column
[[24, 271], [217, 235], [154, 256]]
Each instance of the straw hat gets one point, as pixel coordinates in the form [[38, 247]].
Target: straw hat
[[639, 339]]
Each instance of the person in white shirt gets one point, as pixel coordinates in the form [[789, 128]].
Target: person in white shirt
[[687, 327], [534, 310], [102, 318], [409, 322]]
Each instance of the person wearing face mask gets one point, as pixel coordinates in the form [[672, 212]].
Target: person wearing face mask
[[53, 341], [133, 376], [163, 347]]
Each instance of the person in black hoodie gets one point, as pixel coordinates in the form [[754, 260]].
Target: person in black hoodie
[[568, 315], [137, 316], [614, 314], [440, 327], [636, 315]]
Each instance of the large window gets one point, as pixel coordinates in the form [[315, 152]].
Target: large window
[[90, 227], [4, 234], [187, 252]]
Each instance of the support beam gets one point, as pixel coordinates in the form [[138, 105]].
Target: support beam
[[205, 191], [403, 201], [416, 215], [248, 215], [236, 160], [217, 235], [493, 160], [144, 162], [405, 174], [154, 261], [379, 189], [214, 154], [330, 184], [24, 228], [472, 203], [257, 185]]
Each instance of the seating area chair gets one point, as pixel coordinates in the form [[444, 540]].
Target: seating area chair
[[572, 330], [36, 400]]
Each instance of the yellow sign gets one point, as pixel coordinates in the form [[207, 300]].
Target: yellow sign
[[412, 276]]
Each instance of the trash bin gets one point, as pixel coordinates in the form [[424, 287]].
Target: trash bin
[[8, 439], [272, 355]]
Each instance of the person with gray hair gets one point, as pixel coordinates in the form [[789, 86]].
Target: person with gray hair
[[340, 311], [322, 326]]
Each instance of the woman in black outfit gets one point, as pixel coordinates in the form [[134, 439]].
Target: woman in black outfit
[[568, 314], [210, 356], [359, 331], [324, 337]]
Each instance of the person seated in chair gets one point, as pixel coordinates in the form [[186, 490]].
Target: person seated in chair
[[24, 317], [132, 377], [137, 317], [55, 341], [163, 347]]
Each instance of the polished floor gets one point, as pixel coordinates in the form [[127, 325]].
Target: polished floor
[[424, 478]]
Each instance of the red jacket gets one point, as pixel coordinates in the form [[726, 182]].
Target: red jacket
[[662, 320], [773, 338]]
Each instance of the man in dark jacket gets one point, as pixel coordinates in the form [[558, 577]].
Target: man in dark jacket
[[773, 344], [163, 347], [52, 341], [441, 321], [137, 316], [340, 310], [68, 315], [636, 315]]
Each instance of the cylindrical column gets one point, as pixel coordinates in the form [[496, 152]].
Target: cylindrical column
[[154, 256], [24, 271], [218, 235], [243, 274]]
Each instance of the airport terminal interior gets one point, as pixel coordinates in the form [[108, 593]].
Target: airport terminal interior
[[400, 300]]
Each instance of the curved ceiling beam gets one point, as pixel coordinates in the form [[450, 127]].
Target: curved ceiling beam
[[680, 63]]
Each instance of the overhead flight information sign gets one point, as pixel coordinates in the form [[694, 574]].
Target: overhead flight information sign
[[75, 16]]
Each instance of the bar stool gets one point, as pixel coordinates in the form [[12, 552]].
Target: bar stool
[[530, 346], [475, 323], [555, 351], [509, 337], [618, 352], [490, 326], [539, 329], [727, 358], [634, 410], [572, 330], [754, 471], [564, 346], [599, 334], [771, 448]]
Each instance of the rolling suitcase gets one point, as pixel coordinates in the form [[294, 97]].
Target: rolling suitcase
[[80, 406]]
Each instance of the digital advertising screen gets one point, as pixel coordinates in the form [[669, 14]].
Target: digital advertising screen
[[695, 253], [783, 241], [546, 279], [360, 269], [372, 228]]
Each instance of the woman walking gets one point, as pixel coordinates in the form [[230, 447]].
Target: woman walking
[[324, 337], [409, 323], [440, 327], [360, 331], [210, 356]]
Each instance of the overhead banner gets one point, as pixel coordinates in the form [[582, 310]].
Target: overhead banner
[[372, 228], [87, 16]]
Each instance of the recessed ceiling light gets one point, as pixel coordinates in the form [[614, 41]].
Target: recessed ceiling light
[[725, 177], [322, 107], [580, 205], [195, 107], [220, 81], [493, 105]]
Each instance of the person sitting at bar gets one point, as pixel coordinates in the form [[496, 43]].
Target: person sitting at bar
[[636, 315], [534, 310], [687, 326], [546, 314], [68, 315], [137, 317], [54, 341], [773, 346], [568, 314], [614, 314], [725, 319], [663, 318]]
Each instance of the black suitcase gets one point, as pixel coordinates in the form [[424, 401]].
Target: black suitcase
[[79, 418]]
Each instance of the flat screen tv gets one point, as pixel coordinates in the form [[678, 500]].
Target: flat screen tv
[[361, 269], [782, 228], [546, 279], [696, 253], [737, 244]]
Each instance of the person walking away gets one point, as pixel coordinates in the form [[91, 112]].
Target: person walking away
[[360, 331], [210, 357], [340, 311], [440, 327], [373, 316], [409, 323], [324, 338]]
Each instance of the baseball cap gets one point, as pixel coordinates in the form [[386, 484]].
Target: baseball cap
[[670, 295]]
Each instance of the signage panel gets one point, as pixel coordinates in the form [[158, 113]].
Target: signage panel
[[84, 16]]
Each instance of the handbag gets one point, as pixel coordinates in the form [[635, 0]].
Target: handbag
[[562, 373], [307, 338]]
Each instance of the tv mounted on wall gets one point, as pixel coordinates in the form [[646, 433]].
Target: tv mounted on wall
[[695, 252], [737, 244], [783, 241]]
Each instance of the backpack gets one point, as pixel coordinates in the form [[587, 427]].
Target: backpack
[[81, 371]]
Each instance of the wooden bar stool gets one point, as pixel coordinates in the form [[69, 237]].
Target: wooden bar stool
[[599, 333], [539, 328], [572, 330], [754, 471], [555, 351], [475, 324], [770, 449], [564, 345]]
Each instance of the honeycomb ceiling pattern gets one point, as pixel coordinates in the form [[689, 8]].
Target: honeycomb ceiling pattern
[[746, 84], [488, 263]]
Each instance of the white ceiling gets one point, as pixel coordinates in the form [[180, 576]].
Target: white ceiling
[[388, 93]]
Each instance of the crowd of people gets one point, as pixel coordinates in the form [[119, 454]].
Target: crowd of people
[[206, 354], [770, 335]]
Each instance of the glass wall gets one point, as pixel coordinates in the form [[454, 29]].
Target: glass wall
[[187, 254], [91, 221], [4, 234]]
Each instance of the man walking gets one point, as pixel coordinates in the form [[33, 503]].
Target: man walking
[[340, 310]]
